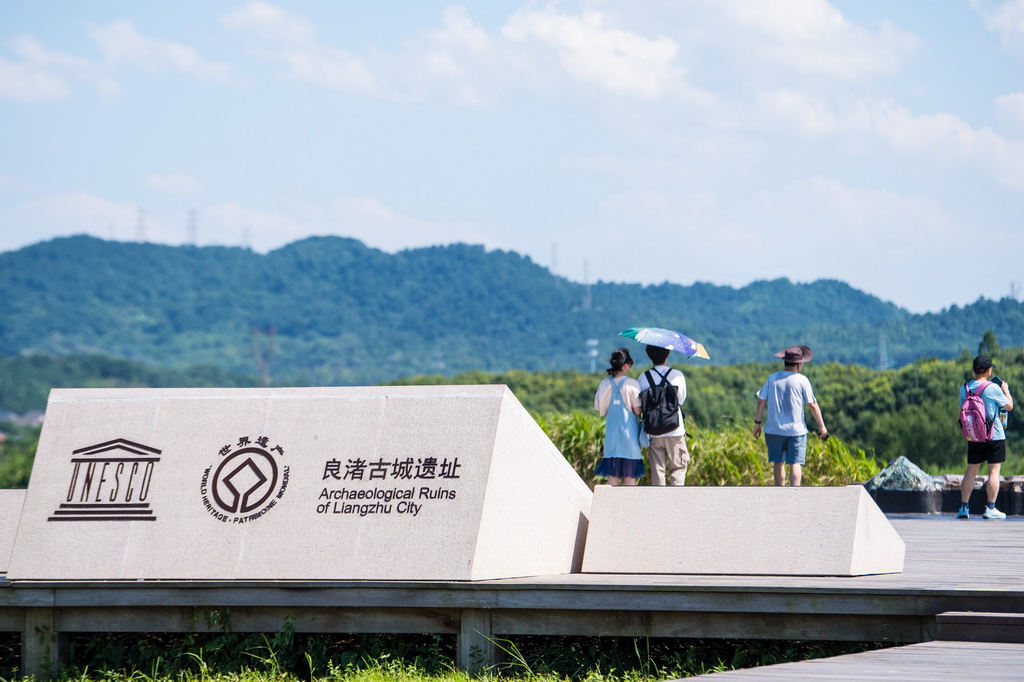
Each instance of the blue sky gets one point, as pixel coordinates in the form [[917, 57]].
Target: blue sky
[[720, 141]]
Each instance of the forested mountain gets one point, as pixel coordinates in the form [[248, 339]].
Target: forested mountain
[[338, 312]]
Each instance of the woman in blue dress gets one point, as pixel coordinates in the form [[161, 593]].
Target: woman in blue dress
[[618, 401]]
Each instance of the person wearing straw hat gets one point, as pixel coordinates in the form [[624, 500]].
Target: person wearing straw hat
[[785, 394]]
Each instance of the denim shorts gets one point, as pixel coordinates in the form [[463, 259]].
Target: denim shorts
[[788, 449]]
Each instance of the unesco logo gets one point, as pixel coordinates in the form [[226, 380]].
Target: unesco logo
[[246, 483], [109, 481]]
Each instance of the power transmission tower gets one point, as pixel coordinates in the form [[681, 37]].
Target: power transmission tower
[[262, 353], [883, 352], [592, 354]]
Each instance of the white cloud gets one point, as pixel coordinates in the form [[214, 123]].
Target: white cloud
[[330, 68], [271, 23], [378, 225], [591, 51], [38, 74], [364, 218], [261, 229], [173, 183], [30, 83], [541, 49], [943, 137], [810, 229], [793, 111], [1005, 19], [1010, 112], [120, 42], [812, 36], [873, 238], [292, 41], [65, 214]]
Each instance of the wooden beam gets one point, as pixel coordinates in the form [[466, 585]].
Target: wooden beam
[[256, 619], [476, 649], [42, 646], [803, 626]]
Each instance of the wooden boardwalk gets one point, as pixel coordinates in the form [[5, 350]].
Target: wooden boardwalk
[[950, 566], [928, 662]]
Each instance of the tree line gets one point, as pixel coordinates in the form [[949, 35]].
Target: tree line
[[874, 415], [332, 311]]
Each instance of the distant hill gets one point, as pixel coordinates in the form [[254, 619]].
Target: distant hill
[[338, 312]]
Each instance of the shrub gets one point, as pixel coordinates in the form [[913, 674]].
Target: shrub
[[728, 456]]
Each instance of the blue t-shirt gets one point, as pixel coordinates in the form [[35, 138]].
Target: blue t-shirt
[[994, 398], [786, 394]]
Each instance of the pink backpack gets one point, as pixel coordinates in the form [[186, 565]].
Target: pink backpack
[[974, 421]]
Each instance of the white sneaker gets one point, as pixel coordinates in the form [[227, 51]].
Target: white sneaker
[[993, 513]]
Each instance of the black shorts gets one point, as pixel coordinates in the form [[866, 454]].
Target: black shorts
[[993, 452]]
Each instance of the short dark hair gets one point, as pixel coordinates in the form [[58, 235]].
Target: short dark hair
[[981, 364], [657, 354]]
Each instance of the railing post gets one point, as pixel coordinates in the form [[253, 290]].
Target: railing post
[[42, 647], [476, 649]]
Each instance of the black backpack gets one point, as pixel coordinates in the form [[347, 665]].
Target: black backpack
[[660, 404]]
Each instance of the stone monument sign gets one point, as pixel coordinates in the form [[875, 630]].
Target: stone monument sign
[[741, 530], [11, 502], [363, 483]]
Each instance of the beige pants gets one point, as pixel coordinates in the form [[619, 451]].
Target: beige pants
[[668, 452]]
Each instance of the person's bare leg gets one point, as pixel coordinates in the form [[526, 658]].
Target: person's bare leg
[[796, 472], [629, 481], [614, 480], [780, 473], [967, 485], [992, 484]]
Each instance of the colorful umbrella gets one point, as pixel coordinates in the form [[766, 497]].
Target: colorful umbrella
[[666, 338]]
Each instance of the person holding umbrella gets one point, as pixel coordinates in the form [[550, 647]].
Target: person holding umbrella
[[785, 394], [618, 401], [662, 393], [667, 453]]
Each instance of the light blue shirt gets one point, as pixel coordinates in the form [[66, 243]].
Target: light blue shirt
[[786, 393], [994, 398]]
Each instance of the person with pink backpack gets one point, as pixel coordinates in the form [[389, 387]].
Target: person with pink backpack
[[980, 402]]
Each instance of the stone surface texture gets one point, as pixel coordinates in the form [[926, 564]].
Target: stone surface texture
[[11, 502], [363, 483], [740, 531]]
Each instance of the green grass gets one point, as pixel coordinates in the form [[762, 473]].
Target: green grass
[[289, 657]]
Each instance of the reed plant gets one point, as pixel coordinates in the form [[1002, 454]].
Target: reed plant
[[729, 455]]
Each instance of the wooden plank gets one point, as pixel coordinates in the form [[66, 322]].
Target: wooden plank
[[980, 627], [831, 627], [35, 597], [255, 619], [226, 594], [476, 644], [941, 576], [41, 645], [765, 599], [926, 662]]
